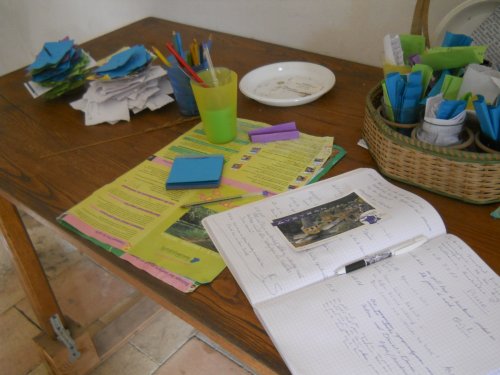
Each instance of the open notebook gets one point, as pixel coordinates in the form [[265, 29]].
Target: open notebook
[[434, 309]]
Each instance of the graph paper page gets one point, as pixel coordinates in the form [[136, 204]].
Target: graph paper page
[[434, 310]]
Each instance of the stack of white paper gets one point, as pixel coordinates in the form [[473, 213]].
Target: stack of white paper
[[111, 100]]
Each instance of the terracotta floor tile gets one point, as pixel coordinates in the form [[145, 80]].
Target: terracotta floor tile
[[127, 361], [222, 351], [122, 329], [198, 358], [97, 291], [41, 369], [18, 352], [11, 290], [85, 292], [163, 336], [54, 253], [89, 294]]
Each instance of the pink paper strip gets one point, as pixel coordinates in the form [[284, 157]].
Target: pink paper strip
[[97, 234], [183, 284]]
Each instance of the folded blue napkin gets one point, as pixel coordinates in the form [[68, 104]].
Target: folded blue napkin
[[449, 109], [456, 40], [404, 95], [411, 98], [489, 118], [395, 86]]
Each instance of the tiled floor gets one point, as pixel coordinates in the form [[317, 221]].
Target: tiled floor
[[92, 297]]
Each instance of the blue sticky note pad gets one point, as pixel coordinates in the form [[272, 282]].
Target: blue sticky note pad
[[195, 172]]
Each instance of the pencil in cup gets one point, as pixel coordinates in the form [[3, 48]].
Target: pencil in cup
[[183, 91], [161, 57], [183, 64]]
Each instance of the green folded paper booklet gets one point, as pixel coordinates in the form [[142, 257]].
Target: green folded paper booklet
[[195, 172], [142, 222]]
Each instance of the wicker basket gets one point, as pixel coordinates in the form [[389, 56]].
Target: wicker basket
[[472, 177]]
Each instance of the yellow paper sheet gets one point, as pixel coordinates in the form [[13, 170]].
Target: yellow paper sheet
[[137, 215]]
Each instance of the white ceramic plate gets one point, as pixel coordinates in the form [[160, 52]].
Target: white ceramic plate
[[464, 18], [287, 84]]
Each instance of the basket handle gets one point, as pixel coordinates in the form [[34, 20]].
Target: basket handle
[[419, 24]]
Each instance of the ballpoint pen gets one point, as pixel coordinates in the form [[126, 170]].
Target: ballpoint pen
[[211, 69], [399, 249], [223, 199]]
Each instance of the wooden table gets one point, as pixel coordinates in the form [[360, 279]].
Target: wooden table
[[49, 161]]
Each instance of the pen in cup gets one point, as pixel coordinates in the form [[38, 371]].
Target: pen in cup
[[206, 53]]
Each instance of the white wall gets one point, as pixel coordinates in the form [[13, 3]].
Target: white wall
[[349, 29]]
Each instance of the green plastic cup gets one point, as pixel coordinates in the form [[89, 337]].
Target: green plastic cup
[[216, 100]]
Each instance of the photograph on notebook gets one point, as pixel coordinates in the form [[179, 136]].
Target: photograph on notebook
[[317, 225]]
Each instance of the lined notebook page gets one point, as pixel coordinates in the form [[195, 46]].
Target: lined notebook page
[[435, 310], [266, 266]]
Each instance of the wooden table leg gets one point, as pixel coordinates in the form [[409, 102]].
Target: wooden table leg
[[29, 269], [42, 299]]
